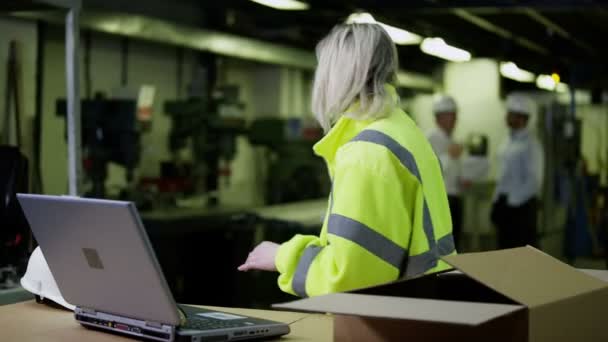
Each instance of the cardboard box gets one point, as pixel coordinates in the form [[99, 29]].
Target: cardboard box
[[516, 294]]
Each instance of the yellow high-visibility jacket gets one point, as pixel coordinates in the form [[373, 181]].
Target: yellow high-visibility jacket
[[388, 213]]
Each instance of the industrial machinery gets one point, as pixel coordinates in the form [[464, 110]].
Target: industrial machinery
[[15, 236], [294, 172], [210, 127], [110, 133], [202, 142]]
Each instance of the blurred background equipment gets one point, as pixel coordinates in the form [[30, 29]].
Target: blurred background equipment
[[475, 165], [209, 127], [15, 236], [109, 134], [294, 172], [477, 144]]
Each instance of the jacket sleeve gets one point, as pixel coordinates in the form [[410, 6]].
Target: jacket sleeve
[[368, 227]]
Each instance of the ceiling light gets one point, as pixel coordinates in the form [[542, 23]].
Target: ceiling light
[[439, 48], [510, 70], [399, 36], [548, 82], [361, 18], [286, 5], [545, 82]]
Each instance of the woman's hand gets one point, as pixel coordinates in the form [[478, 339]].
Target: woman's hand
[[261, 258]]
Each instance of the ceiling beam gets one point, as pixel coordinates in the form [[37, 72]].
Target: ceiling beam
[[481, 5], [560, 31], [499, 31], [220, 43]]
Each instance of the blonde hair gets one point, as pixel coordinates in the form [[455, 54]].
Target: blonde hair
[[355, 61]]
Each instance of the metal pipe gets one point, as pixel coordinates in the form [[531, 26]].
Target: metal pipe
[[73, 99], [558, 29], [15, 79], [6, 132], [179, 66], [223, 44], [499, 31], [37, 183], [88, 90], [124, 61]]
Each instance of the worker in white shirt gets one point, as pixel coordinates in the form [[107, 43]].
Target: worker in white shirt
[[520, 170], [449, 153]]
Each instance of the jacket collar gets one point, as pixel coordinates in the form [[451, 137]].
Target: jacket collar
[[345, 129]]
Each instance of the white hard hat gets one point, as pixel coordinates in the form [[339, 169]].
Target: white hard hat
[[444, 104], [519, 104], [39, 280]]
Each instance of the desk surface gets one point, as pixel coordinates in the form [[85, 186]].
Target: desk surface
[[304, 212], [29, 321]]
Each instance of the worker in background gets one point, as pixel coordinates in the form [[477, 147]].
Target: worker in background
[[520, 169], [449, 153], [388, 214]]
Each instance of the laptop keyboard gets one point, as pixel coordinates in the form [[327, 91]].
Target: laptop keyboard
[[209, 324]]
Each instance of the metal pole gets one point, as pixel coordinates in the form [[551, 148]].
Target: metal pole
[[73, 99], [88, 91], [124, 61], [37, 184], [180, 72]]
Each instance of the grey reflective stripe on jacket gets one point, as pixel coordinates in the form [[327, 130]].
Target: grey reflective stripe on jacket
[[366, 237], [299, 278], [373, 241], [421, 263]]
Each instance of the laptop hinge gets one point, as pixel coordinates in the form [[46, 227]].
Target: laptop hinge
[[88, 311], [154, 324]]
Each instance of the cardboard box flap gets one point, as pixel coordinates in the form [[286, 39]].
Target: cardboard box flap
[[526, 275], [431, 310]]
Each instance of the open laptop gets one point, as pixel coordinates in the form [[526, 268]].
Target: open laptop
[[102, 260]]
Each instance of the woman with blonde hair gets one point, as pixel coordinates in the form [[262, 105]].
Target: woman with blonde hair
[[388, 214]]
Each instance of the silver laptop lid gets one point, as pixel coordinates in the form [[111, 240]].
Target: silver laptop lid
[[100, 256]]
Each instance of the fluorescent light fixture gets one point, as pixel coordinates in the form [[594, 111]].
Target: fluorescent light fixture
[[511, 71], [546, 82], [399, 36], [439, 48], [361, 18], [285, 5]]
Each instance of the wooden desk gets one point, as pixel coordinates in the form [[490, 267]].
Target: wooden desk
[[29, 321]]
